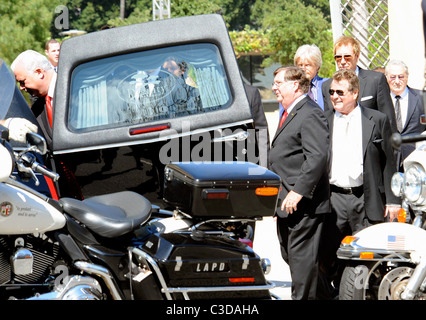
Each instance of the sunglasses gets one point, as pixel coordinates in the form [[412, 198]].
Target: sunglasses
[[339, 92], [339, 57]]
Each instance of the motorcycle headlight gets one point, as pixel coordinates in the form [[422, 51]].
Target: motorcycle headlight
[[397, 183], [414, 181]]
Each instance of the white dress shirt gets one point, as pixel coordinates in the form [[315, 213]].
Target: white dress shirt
[[347, 155]]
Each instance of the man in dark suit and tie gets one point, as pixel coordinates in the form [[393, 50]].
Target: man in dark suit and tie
[[299, 155], [408, 103], [374, 91], [260, 123], [361, 166]]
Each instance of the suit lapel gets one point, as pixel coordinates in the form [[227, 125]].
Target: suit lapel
[[367, 129], [412, 103], [362, 84], [290, 117]]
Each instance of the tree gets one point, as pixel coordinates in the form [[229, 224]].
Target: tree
[[24, 24], [256, 26], [290, 24]]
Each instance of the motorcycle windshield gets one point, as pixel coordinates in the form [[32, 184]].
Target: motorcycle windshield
[[12, 102]]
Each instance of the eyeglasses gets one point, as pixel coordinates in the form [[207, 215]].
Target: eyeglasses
[[277, 84], [340, 93], [338, 57]]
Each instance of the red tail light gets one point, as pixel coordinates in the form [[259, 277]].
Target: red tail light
[[142, 130], [243, 279]]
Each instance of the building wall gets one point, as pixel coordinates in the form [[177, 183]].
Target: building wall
[[406, 39]]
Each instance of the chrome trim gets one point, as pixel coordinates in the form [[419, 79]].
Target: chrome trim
[[266, 265], [156, 269], [103, 273], [415, 281], [185, 290], [352, 253], [239, 136], [163, 137]]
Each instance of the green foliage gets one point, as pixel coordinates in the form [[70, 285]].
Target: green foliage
[[292, 24], [250, 41], [266, 27], [24, 25]]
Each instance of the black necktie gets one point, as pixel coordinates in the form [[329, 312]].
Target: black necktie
[[398, 113]]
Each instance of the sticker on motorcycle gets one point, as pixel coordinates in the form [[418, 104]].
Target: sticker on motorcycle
[[396, 242], [6, 209]]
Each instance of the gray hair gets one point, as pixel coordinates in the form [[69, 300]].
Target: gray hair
[[310, 52], [395, 62], [31, 60]]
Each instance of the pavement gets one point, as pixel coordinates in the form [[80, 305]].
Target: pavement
[[266, 245]]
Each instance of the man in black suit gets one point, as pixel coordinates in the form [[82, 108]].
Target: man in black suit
[[260, 123], [361, 166], [408, 102], [299, 155], [374, 91]]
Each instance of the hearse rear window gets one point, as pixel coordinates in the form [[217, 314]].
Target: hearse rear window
[[147, 86]]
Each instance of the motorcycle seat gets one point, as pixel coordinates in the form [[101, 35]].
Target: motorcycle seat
[[110, 215]]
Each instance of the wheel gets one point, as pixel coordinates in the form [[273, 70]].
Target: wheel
[[381, 280], [352, 283]]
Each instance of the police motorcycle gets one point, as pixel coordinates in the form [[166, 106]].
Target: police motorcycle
[[119, 246], [387, 261]]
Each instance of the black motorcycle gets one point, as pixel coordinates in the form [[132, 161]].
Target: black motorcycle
[[119, 246]]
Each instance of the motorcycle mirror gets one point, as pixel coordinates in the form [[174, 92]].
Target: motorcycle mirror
[[37, 141]]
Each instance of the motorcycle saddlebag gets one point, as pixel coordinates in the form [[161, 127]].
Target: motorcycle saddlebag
[[210, 267], [221, 189]]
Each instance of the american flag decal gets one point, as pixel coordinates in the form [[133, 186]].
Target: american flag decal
[[396, 242]]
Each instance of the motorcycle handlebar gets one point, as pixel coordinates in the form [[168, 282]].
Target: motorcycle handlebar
[[398, 140], [46, 172]]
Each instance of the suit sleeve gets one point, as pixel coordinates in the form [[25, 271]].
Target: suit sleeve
[[260, 125], [315, 144], [390, 165], [384, 102]]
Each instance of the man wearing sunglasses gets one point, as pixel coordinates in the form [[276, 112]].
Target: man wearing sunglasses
[[374, 91], [361, 166]]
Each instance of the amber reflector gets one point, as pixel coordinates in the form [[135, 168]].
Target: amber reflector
[[348, 239], [267, 191], [402, 216], [366, 255]]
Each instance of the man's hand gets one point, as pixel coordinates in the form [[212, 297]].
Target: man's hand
[[392, 211], [290, 202], [18, 128]]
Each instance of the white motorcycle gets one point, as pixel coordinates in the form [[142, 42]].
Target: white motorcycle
[[387, 261]]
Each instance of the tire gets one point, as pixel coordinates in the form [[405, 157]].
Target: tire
[[351, 286], [377, 280]]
